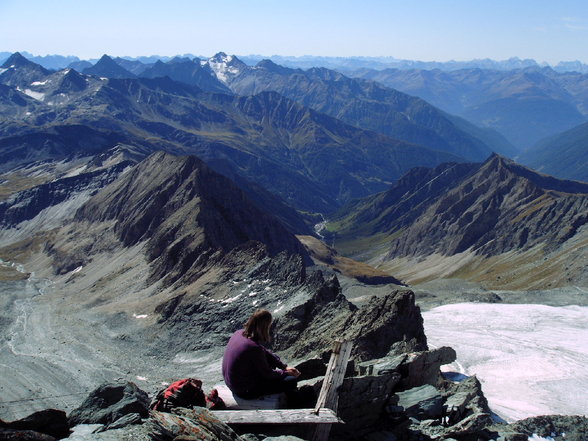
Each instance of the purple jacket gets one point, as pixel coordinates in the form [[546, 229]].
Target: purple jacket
[[248, 366]]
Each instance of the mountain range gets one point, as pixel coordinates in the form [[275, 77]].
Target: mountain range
[[147, 210], [337, 63], [258, 137], [564, 155], [496, 222], [525, 105]]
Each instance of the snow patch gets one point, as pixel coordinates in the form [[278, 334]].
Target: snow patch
[[39, 96], [77, 270], [530, 359], [230, 299], [39, 83], [141, 378], [223, 70], [140, 316]]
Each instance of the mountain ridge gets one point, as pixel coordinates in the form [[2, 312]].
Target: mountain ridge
[[485, 211]]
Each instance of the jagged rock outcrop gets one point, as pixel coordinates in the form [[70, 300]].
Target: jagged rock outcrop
[[109, 402], [363, 402], [389, 324]]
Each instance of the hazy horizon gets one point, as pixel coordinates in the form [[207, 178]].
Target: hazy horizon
[[432, 30]]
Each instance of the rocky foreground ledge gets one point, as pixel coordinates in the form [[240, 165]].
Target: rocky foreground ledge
[[370, 404], [400, 396]]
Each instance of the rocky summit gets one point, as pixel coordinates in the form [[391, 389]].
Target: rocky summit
[[148, 208]]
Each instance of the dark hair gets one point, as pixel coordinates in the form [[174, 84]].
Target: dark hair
[[257, 328]]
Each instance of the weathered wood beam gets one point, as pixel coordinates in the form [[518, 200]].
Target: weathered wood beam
[[329, 394], [277, 416]]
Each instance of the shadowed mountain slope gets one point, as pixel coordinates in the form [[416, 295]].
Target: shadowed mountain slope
[[17, 70], [564, 155], [312, 161]]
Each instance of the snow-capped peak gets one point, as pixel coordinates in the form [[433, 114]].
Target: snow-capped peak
[[226, 67]]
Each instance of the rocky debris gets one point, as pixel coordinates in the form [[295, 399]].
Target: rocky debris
[[189, 424], [50, 422], [556, 427], [463, 399], [389, 324], [109, 402], [463, 409]]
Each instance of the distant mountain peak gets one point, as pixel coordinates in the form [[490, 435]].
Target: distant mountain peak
[[270, 66], [109, 68], [18, 60], [226, 67]]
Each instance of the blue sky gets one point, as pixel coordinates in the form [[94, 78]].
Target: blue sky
[[438, 30]]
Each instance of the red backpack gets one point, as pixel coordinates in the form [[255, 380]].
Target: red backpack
[[185, 393], [181, 393]]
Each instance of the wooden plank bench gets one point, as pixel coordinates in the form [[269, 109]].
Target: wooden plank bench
[[324, 413], [278, 416]]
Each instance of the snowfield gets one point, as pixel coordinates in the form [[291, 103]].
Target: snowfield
[[531, 359]]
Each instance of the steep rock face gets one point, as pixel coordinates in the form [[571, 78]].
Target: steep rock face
[[183, 209], [401, 205], [55, 142]]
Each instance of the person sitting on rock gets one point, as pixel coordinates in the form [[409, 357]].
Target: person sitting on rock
[[250, 370]]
